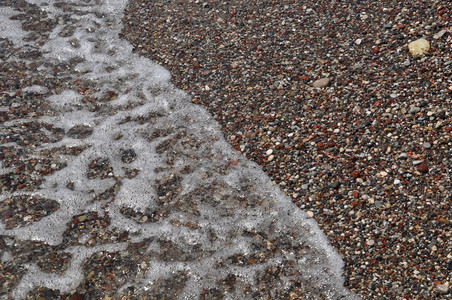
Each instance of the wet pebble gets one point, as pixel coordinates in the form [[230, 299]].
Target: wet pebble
[[80, 131]]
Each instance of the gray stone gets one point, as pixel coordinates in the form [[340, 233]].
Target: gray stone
[[334, 184], [439, 34], [427, 145], [414, 110]]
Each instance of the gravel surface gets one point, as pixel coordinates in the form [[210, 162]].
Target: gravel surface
[[114, 185], [328, 99]]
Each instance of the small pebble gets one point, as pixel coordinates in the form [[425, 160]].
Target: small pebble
[[383, 174], [423, 168], [403, 156], [419, 47], [321, 83], [414, 110], [443, 288], [335, 184], [439, 34]]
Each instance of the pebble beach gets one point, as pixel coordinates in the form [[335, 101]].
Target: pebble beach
[[115, 185], [328, 99], [285, 150]]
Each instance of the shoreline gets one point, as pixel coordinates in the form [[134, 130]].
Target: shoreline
[[115, 185], [368, 155]]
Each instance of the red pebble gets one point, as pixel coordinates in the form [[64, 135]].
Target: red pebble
[[423, 168], [355, 174]]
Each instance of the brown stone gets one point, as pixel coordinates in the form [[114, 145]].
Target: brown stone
[[355, 174], [423, 168], [76, 297], [321, 83]]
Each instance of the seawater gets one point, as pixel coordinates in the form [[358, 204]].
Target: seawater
[[165, 174]]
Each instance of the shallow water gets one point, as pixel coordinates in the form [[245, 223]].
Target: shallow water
[[124, 161]]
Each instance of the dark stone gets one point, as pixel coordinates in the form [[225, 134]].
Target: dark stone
[[80, 131], [334, 184]]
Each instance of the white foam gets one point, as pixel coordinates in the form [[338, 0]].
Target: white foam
[[67, 100], [11, 29], [192, 139], [36, 89]]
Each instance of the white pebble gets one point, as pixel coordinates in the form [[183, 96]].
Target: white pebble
[[443, 288], [383, 173], [269, 151]]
